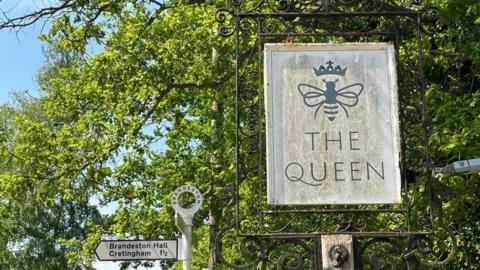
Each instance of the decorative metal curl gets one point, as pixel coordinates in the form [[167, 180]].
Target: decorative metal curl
[[295, 256], [372, 5], [430, 14], [272, 219], [247, 24], [221, 16], [312, 224], [249, 247], [429, 18], [282, 5], [380, 260], [360, 224], [290, 261], [422, 247]]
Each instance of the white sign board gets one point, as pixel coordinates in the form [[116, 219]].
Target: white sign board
[[125, 250], [332, 124]]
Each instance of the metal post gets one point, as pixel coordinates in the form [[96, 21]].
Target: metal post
[[184, 222]]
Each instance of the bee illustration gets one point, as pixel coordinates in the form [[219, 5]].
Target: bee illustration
[[331, 98]]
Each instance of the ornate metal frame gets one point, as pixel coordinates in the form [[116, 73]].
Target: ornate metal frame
[[386, 236]]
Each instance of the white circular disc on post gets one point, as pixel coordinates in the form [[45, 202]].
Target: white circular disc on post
[[196, 205]]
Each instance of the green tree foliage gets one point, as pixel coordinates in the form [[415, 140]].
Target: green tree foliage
[[34, 225], [126, 125], [453, 71]]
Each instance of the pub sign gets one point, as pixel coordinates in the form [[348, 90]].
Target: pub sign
[[332, 124]]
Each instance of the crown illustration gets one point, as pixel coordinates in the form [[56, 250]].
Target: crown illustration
[[330, 70]]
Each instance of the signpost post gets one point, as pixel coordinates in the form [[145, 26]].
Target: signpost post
[[130, 250], [183, 220]]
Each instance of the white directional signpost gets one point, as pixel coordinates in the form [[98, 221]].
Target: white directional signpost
[[127, 250], [183, 220], [177, 249]]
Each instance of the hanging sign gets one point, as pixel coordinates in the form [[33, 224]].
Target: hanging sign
[[332, 124]]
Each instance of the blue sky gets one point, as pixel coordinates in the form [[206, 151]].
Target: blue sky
[[19, 61], [20, 51], [20, 58]]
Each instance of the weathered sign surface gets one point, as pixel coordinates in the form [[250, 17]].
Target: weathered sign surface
[[124, 250], [332, 124]]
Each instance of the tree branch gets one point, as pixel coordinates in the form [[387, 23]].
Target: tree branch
[[33, 17], [64, 6]]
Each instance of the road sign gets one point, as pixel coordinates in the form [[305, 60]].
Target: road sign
[[128, 250], [332, 124], [183, 220]]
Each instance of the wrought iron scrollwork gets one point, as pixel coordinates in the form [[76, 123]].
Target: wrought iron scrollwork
[[296, 255], [339, 6], [423, 249], [290, 260], [389, 237], [381, 254], [250, 247], [225, 18], [417, 252], [293, 10], [429, 18], [290, 254]]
